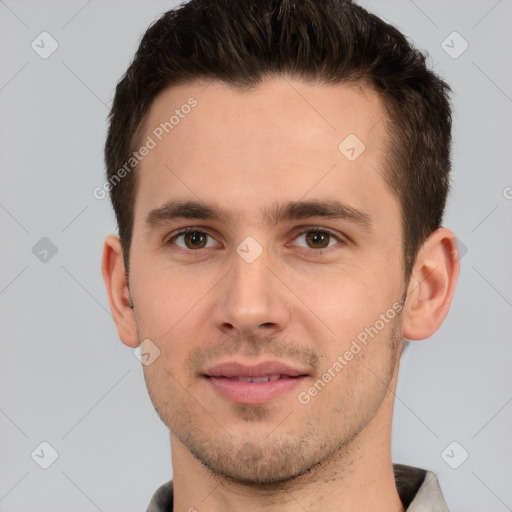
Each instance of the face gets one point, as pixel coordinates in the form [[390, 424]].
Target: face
[[290, 269]]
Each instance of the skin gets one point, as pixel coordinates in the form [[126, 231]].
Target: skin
[[246, 151]]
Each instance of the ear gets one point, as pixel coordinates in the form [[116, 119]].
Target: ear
[[432, 285], [114, 275]]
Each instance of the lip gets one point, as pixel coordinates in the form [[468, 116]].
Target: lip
[[232, 369], [221, 378]]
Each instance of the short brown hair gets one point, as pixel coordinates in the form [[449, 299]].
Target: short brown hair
[[241, 42]]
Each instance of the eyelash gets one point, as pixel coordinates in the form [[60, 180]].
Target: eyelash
[[319, 252]]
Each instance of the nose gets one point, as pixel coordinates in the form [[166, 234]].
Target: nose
[[251, 300]]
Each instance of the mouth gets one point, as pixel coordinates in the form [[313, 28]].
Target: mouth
[[264, 378], [256, 384]]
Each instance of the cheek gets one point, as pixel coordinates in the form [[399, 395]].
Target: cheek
[[167, 298], [353, 307], [342, 300]]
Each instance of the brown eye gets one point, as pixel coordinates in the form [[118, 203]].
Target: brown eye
[[318, 239], [192, 239], [195, 240]]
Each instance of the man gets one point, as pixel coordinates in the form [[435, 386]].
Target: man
[[279, 171]]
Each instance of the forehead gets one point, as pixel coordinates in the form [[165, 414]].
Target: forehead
[[295, 111], [279, 141]]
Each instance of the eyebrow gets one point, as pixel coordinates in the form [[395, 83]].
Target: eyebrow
[[294, 210]]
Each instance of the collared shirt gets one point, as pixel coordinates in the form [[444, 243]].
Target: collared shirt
[[418, 489]]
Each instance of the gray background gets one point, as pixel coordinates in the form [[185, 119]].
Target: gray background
[[66, 379]]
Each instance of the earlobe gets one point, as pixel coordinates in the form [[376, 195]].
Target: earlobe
[[114, 276], [432, 285]]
